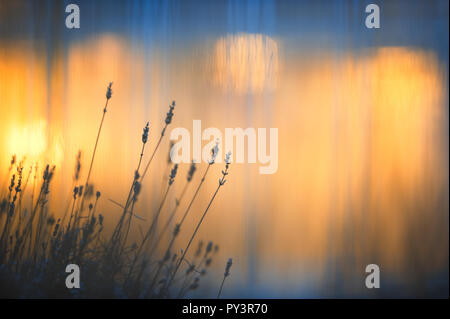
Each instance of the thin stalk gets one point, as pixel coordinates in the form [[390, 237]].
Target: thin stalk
[[193, 235], [221, 286], [71, 214], [154, 152], [149, 232], [127, 203], [171, 216], [195, 194], [185, 286], [95, 149], [225, 275], [155, 218], [34, 187], [182, 220]]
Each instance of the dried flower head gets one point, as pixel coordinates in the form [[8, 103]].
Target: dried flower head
[[89, 190], [214, 152], [191, 172], [50, 220], [169, 114], [109, 91], [194, 285], [228, 267], [55, 231], [77, 166], [47, 177], [222, 180], [13, 160], [145, 133], [46, 172], [173, 173], [228, 158], [190, 269], [209, 247], [11, 185], [75, 192], [176, 231], [136, 189], [199, 248]]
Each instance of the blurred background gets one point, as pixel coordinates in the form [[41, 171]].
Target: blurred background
[[362, 116]]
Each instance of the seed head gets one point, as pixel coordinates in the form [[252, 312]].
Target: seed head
[[137, 190], [11, 186], [145, 133], [78, 166], [75, 192], [46, 173], [194, 285], [228, 158], [209, 247], [170, 113], [214, 152], [191, 172], [228, 267], [89, 190], [190, 269], [173, 173], [222, 180], [109, 91], [50, 220], [199, 248], [56, 228], [176, 231]]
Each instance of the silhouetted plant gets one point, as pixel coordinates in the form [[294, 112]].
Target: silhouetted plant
[[36, 247]]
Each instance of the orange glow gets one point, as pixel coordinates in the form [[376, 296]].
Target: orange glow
[[28, 141], [25, 131], [362, 164], [245, 63]]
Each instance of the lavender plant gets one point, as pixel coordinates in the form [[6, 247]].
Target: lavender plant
[[35, 247]]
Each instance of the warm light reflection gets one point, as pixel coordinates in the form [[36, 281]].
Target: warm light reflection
[[28, 141], [245, 63], [25, 131], [363, 164], [34, 144]]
